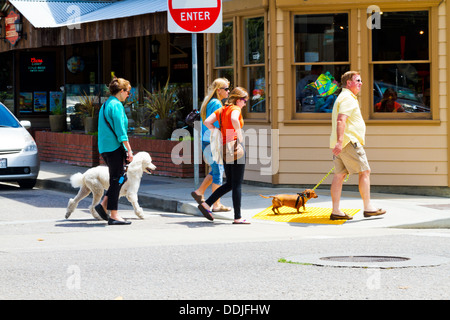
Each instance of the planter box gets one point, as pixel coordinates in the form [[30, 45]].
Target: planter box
[[69, 148], [172, 158], [179, 164]]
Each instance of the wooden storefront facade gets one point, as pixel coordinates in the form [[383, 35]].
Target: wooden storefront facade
[[137, 48], [270, 47], [401, 45]]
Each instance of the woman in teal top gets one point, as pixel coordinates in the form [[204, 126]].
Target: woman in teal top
[[112, 137]]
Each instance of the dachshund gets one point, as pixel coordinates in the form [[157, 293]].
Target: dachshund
[[291, 200]]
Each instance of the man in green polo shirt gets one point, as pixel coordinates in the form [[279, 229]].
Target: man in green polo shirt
[[347, 140]]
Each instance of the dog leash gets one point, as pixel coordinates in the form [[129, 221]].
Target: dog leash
[[326, 176], [124, 177]]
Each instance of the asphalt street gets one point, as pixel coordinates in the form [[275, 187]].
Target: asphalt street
[[171, 256]]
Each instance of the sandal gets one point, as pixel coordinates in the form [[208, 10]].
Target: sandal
[[198, 198], [206, 213], [243, 221], [221, 208]]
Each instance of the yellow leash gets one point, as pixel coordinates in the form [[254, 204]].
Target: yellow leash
[[326, 176]]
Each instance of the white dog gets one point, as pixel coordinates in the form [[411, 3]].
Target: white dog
[[96, 180]]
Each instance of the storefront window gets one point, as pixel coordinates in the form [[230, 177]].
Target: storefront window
[[39, 93], [400, 61], [224, 52], [6, 80], [321, 52], [251, 61], [82, 75], [254, 64], [317, 89]]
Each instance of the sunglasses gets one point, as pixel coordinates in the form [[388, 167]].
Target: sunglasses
[[226, 89]]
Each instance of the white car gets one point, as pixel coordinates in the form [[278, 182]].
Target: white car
[[19, 159]]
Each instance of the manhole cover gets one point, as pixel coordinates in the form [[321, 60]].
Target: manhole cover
[[365, 259], [369, 261]]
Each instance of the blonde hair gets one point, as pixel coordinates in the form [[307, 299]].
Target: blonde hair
[[236, 94], [118, 84], [348, 76], [212, 93]]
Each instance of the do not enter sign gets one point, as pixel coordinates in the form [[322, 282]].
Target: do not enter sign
[[194, 16]]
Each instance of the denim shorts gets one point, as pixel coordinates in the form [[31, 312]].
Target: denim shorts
[[217, 170]]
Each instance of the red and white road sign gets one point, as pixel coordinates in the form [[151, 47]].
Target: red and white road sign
[[198, 16]]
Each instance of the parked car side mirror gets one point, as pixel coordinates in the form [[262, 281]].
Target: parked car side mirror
[[26, 124]]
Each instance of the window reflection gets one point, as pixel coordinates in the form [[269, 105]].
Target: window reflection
[[317, 87], [320, 41], [254, 40], [254, 61], [399, 86], [227, 74], [321, 37], [257, 89], [408, 84], [224, 45], [402, 36]]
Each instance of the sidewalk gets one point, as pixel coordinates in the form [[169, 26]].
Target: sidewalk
[[174, 195]]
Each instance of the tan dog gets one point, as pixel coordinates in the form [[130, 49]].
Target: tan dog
[[291, 200]]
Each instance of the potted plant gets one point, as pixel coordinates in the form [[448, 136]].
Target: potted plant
[[162, 106], [77, 118], [139, 114], [90, 108], [58, 121]]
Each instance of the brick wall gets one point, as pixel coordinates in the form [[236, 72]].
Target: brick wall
[[82, 150], [161, 153], [74, 149]]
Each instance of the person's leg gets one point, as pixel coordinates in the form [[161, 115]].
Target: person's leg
[[364, 189], [209, 178], [223, 189], [114, 160], [204, 185], [236, 182], [364, 185], [336, 191], [217, 180]]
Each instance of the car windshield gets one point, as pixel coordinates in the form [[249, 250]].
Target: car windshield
[[7, 119], [402, 93]]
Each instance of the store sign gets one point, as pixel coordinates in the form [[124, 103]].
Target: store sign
[[36, 65], [11, 34], [197, 16]]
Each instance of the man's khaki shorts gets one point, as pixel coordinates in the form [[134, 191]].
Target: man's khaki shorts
[[351, 160]]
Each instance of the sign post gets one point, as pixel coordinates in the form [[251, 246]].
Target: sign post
[[195, 16]]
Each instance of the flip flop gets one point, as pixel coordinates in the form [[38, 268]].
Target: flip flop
[[197, 198], [221, 208], [206, 213], [241, 222]]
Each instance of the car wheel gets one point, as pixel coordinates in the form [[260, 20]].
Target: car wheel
[[27, 183]]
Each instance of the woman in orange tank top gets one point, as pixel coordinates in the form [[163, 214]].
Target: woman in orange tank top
[[231, 128]]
